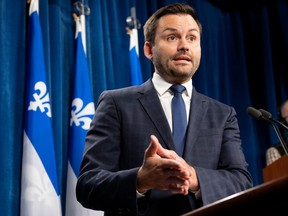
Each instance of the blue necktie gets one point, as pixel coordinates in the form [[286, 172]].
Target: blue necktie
[[179, 119]]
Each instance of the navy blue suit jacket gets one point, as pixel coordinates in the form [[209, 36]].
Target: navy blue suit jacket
[[120, 133]]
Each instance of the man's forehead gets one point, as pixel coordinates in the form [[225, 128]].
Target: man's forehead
[[174, 21]]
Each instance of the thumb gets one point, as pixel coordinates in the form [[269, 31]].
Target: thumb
[[153, 147]]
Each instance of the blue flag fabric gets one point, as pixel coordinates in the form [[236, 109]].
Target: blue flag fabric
[[39, 183], [82, 108], [82, 111], [136, 73]]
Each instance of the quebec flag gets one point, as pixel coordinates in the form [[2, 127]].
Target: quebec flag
[[39, 181], [82, 111], [136, 74]]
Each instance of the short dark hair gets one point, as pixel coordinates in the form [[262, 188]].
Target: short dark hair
[[176, 8]]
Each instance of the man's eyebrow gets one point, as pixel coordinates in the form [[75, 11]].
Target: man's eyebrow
[[171, 29]]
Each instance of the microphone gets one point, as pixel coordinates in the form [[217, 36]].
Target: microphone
[[266, 116], [254, 113]]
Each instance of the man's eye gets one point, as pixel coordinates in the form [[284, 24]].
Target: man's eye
[[171, 38], [191, 38]]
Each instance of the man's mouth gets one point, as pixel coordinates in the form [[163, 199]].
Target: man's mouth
[[182, 58]]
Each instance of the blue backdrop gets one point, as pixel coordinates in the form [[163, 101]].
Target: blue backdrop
[[244, 63]]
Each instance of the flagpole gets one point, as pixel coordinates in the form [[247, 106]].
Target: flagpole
[[132, 30], [134, 24], [83, 25], [83, 10]]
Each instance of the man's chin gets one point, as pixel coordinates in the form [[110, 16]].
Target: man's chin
[[182, 71]]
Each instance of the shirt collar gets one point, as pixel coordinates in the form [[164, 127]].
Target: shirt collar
[[162, 86]]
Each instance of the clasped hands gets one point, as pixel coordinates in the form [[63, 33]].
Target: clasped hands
[[163, 169]]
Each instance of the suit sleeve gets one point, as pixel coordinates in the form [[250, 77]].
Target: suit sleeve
[[101, 185], [231, 175]]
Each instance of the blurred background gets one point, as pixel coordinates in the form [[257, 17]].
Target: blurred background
[[244, 63]]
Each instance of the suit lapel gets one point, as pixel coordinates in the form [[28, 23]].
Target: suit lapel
[[198, 109], [151, 103]]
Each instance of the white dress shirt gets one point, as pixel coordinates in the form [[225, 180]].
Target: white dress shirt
[[165, 95]]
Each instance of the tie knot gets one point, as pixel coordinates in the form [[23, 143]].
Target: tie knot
[[177, 88]]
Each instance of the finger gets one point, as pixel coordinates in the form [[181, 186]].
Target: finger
[[178, 188], [165, 153], [156, 148], [177, 172]]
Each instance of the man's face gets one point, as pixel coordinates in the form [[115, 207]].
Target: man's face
[[176, 52], [284, 112]]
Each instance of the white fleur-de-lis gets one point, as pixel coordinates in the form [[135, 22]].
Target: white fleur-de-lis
[[42, 100], [38, 187], [81, 114]]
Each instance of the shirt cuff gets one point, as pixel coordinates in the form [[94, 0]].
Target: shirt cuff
[[139, 195], [197, 194]]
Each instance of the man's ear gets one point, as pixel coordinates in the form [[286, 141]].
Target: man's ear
[[148, 50]]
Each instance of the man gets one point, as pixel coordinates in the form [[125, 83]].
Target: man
[[277, 151], [284, 112], [130, 165]]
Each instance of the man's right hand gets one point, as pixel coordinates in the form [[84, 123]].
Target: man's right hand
[[162, 169]]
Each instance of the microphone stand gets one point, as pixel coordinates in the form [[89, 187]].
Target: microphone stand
[[264, 115], [268, 115], [284, 146]]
